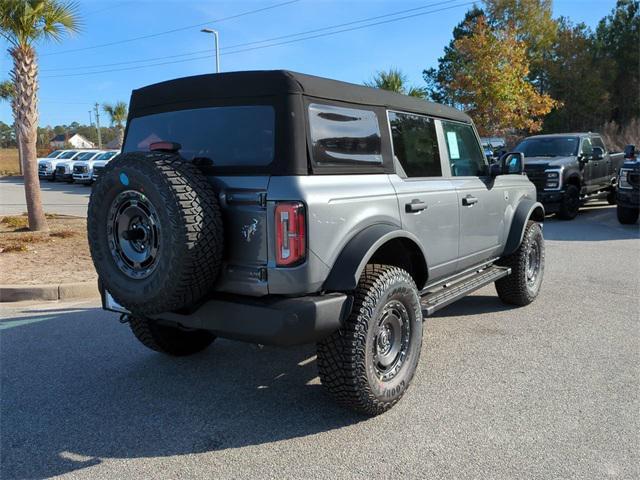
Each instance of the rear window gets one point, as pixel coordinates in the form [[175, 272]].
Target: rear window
[[228, 136], [344, 136]]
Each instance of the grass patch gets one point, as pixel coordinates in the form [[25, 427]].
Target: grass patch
[[9, 163], [63, 234], [15, 222], [13, 247]]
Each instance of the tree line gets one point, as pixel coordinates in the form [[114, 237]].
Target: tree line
[[516, 69]]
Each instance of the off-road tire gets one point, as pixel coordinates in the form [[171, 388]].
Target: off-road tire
[[346, 358], [515, 289], [570, 204], [190, 231], [170, 340], [611, 197], [627, 215]]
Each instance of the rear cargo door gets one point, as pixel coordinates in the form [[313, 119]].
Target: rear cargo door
[[243, 203]]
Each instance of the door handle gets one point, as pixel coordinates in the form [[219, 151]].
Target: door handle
[[415, 206], [469, 201]]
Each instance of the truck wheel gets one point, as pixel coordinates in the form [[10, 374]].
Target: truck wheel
[[627, 215], [570, 204], [527, 269], [170, 340], [611, 197], [155, 232], [368, 364]]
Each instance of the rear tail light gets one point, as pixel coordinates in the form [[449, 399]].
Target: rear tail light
[[291, 238]]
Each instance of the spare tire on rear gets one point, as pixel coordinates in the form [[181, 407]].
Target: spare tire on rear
[[155, 232]]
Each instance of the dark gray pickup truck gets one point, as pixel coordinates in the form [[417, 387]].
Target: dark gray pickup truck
[[568, 168]]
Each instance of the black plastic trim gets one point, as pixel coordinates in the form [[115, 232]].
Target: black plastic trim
[[523, 212]]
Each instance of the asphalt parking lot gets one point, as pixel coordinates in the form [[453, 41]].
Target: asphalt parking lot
[[57, 197], [551, 390]]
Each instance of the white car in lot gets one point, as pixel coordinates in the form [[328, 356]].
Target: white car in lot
[[83, 168], [100, 163], [47, 165], [64, 170]]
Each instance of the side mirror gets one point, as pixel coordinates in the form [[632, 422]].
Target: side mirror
[[630, 151], [495, 169], [598, 153], [512, 163]]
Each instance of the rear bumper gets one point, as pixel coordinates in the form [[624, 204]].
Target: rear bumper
[[628, 198], [269, 320]]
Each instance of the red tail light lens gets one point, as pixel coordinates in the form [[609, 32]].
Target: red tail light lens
[[291, 238]]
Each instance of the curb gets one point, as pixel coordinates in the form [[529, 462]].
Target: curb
[[51, 291]]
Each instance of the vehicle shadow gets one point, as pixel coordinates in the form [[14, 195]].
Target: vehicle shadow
[[80, 388], [597, 214], [473, 305]]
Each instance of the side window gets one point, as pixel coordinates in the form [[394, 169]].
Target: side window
[[344, 136], [597, 142], [465, 155], [415, 144], [587, 148]]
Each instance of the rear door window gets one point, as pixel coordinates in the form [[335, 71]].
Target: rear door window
[[344, 136], [242, 136], [465, 155], [415, 145]]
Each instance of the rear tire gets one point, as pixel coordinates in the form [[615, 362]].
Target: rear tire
[[627, 215], [527, 269], [170, 340], [570, 205], [368, 364]]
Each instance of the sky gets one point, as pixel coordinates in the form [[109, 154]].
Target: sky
[[82, 70]]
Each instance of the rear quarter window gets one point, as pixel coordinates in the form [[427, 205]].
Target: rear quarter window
[[342, 136]]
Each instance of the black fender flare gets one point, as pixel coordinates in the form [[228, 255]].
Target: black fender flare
[[349, 265], [526, 209]]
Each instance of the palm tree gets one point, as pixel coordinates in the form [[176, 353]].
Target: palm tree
[[118, 115], [22, 24], [395, 81]]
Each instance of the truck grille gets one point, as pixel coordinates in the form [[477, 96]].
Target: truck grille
[[97, 171], [634, 179], [60, 170], [79, 169], [42, 167], [537, 177]]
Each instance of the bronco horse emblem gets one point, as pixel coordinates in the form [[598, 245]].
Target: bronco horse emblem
[[248, 231]]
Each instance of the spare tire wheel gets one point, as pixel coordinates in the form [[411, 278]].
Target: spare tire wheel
[[155, 232]]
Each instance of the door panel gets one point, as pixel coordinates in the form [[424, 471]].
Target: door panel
[[482, 209], [429, 209]]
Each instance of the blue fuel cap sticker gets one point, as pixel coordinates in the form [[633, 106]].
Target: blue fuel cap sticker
[[124, 179]]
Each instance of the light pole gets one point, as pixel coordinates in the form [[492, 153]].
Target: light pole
[[215, 36]]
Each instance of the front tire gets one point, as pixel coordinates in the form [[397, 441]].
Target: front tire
[[368, 364], [527, 269], [170, 340], [611, 197], [570, 204], [627, 215]]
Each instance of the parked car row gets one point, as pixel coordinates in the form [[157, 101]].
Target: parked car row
[[73, 165], [570, 168]]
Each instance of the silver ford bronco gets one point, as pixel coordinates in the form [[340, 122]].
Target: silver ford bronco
[[280, 208]]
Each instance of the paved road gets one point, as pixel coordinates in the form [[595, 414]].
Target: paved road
[[57, 197], [547, 391]]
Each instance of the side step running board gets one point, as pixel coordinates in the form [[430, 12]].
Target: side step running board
[[440, 298]]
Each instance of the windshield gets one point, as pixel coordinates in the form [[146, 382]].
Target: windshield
[[68, 154], [228, 136], [549, 146], [106, 155], [86, 156], [54, 154]]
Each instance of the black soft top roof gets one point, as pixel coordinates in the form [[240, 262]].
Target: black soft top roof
[[262, 83]]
